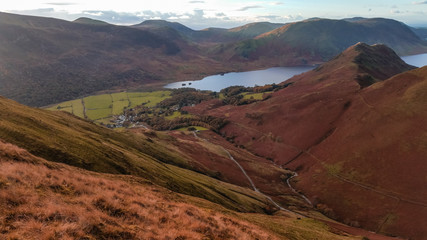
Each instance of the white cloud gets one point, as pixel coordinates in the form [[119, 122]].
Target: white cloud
[[98, 14], [276, 3], [248, 7]]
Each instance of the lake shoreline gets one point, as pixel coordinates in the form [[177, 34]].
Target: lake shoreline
[[247, 79], [265, 76]]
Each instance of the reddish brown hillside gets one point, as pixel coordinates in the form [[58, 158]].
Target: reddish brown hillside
[[308, 108], [372, 166], [359, 151]]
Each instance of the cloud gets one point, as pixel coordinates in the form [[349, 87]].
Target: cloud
[[93, 13], [196, 19], [248, 7], [277, 3], [196, 1], [197, 14], [60, 3], [419, 3], [37, 12], [395, 11], [270, 17], [276, 18]]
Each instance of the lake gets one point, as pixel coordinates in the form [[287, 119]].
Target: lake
[[247, 79], [418, 60], [266, 76]]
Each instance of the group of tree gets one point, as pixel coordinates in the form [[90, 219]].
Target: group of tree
[[186, 97], [233, 95]]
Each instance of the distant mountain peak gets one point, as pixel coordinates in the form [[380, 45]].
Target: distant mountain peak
[[158, 23], [86, 20], [375, 62]]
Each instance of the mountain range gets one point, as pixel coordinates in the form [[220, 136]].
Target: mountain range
[[334, 153], [46, 60]]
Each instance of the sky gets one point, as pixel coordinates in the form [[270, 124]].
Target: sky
[[199, 14]]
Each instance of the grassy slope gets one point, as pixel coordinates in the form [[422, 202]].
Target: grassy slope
[[42, 200], [59, 136]]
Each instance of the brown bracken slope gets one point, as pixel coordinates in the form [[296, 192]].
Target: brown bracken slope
[[44, 200], [40, 199], [358, 143]]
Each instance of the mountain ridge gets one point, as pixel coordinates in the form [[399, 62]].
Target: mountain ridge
[[345, 139], [45, 60], [319, 40]]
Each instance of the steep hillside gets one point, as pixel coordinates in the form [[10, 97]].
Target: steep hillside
[[374, 158], [358, 146], [44, 60], [44, 200], [318, 40], [59, 136]]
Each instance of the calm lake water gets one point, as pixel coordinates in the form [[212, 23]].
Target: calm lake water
[[418, 60], [247, 79], [266, 76]]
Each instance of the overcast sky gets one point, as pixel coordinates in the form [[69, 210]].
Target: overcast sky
[[199, 14]]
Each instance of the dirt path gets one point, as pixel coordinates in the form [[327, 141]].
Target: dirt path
[[249, 178], [330, 223], [295, 191], [252, 183]]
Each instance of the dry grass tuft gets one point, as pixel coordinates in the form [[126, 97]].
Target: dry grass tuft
[[40, 200]]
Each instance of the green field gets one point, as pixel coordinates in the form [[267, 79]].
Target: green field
[[98, 101], [137, 101], [78, 108], [118, 106], [196, 127], [99, 113], [121, 96], [149, 99], [100, 108], [62, 106]]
